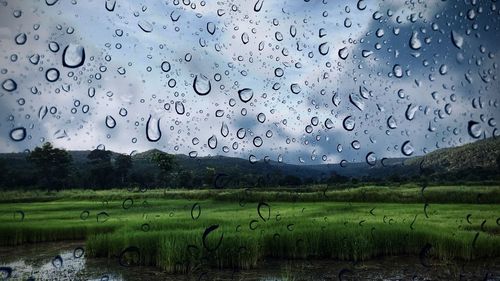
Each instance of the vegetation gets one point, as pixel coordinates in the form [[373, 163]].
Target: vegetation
[[52, 165], [47, 167], [472, 194], [148, 227]]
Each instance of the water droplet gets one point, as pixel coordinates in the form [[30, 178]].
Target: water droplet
[[57, 261], [415, 43], [410, 111], [348, 123], [52, 74], [9, 85], [245, 94], [130, 257], [343, 53], [261, 117], [391, 122], [356, 144], [361, 5], [153, 131], [165, 66], [179, 107], [212, 142], [145, 26], [258, 5], [18, 134], [474, 129], [123, 112], [371, 159], [336, 99], [21, 38], [471, 14], [201, 85], [329, 123], [53, 46], [295, 88], [457, 39], [34, 59], [397, 70], [91, 92], [6, 273], [110, 122], [211, 27], [347, 22], [73, 56], [224, 130], [110, 5], [257, 141], [407, 148], [366, 53], [42, 112], [241, 133], [443, 69], [51, 2], [253, 159], [357, 101], [244, 38], [324, 48], [293, 30]]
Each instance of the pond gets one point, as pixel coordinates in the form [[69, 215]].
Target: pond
[[60, 261]]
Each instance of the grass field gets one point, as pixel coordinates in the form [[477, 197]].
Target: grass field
[[182, 230]]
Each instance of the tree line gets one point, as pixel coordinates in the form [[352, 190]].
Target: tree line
[[52, 168]]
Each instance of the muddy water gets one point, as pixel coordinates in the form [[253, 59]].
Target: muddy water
[[39, 263]]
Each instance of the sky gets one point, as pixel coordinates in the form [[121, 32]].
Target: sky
[[303, 82]]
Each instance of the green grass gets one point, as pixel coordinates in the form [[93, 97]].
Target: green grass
[[298, 227], [409, 193]]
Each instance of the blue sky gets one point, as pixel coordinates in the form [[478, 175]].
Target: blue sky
[[444, 84]]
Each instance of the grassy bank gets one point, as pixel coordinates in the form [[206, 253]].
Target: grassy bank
[[146, 228], [410, 193]]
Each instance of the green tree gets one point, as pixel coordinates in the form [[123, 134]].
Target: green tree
[[167, 163], [123, 163], [53, 166], [209, 176], [186, 178], [100, 168]]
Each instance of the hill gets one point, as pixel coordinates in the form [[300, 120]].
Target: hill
[[476, 161]]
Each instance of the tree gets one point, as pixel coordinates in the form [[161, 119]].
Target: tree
[[166, 162], [209, 176], [291, 180], [52, 166], [336, 178], [123, 163], [100, 167], [186, 178]]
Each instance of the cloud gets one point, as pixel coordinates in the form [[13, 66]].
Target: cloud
[[123, 65]]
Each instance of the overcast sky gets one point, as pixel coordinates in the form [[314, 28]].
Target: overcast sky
[[420, 73]]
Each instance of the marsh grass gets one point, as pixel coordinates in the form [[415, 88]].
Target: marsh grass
[[297, 229], [409, 193]]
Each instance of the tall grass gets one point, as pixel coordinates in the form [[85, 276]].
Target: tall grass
[[181, 251], [409, 193], [173, 241]]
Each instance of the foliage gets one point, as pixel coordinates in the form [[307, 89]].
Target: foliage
[[123, 164], [100, 167], [52, 165], [341, 230], [166, 162], [155, 169]]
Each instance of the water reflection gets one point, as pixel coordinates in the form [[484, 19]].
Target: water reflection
[[36, 262]]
